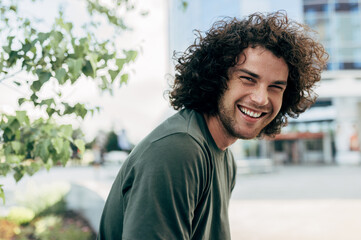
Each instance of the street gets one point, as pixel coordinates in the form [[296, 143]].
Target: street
[[298, 203], [291, 203]]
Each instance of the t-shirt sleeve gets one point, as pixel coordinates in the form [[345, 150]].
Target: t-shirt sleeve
[[163, 188]]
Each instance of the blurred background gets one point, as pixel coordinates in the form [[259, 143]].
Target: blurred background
[[303, 184]]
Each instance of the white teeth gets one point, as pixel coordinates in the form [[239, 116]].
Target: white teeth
[[250, 113]]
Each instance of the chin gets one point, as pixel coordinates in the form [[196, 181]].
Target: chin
[[247, 136]]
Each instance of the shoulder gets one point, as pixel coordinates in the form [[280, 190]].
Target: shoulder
[[184, 131], [186, 121], [174, 150], [178, 143]]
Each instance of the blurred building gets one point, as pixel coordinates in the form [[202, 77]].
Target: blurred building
[[330, 131]]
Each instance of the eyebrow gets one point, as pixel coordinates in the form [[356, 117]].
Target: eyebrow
[[255, 75]]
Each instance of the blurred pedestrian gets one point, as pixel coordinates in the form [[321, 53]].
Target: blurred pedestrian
[[239, 80]]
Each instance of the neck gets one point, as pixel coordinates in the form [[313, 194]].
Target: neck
[[220, 135]]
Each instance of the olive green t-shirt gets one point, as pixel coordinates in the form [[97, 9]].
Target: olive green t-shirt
[[175, 184]]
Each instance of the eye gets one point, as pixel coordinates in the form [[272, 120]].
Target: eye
[[248, 79], [277, 87]]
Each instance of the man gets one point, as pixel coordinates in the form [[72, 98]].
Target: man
[[240, 80]]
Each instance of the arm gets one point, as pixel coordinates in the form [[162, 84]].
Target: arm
[[168, 180]]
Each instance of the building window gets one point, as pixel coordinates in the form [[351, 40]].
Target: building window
[[315, 8], [314, 144], [357, 65], [351, 65], [346, 7], [322, 103], [312, 2]]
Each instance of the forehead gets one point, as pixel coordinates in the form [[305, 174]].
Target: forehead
[[261, 61], [256, 51]]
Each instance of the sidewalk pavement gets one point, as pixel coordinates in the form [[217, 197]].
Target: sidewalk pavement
[[289, 217], [258, 218], [295, 219]]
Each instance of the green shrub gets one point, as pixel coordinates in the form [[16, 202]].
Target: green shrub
[[54, 228], [20, 215], [44, 216], [74, 233], [45, 223]]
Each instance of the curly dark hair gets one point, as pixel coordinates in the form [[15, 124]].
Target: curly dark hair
[[202, 71]]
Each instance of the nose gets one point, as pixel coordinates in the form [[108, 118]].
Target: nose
[[259, 96]]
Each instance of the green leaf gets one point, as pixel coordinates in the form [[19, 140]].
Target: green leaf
[[131, 55], [21, 101], [13, 57], [68, 109], [79, 51], [26, 46], [12, 158], [7, 49], [75, 66], [13, 8], [2, 194], [43, 36], [120, 63], [50, 111], [16, 145], [60, 75], [80, 110], [4, 169], [66, 131], [14, 125], [35, 86], [113, 74], [68, 26], [104, 84], [48, 102], [80, 145], [22, 117], [57, 144], [93, 58], [42, 150], [58, 37], [10, 39], [34, 97], [88, 69], [8, 134], [83, 41], [19, 173], [43, 76], [49, 164], [32, 168], [124, 78], [65, 153]]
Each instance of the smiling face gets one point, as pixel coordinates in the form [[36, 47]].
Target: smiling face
[[254, 94]]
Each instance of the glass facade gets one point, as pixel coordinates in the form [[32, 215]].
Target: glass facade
[[318, 134], [200, 15], [338, 24]]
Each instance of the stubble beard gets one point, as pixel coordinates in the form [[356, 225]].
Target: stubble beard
[[227, 119]]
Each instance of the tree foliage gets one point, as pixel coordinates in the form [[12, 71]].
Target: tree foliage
[[56, 58]]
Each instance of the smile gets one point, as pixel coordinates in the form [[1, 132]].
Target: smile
[[250, 113]]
